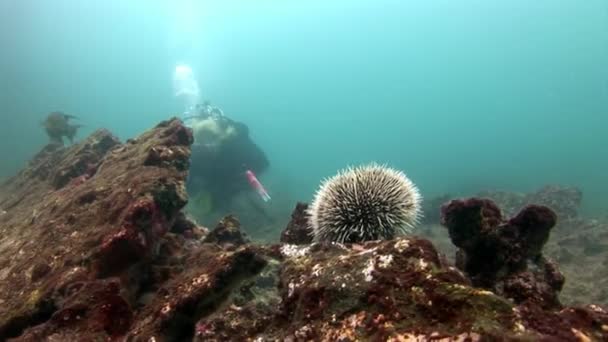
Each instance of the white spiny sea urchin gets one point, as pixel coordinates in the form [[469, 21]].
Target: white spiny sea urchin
[[370, 202]]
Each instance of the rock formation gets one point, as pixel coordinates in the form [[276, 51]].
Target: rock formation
[[94, 246]]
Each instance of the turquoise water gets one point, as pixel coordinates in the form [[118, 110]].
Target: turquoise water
[[461, 95]]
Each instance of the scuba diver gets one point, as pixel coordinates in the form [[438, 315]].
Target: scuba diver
[[203, 111], [57, 126]]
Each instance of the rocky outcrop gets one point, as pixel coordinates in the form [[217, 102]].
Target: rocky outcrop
[[298, 231], [579, 244], [505, 256], [94, 246], [227, 232], [83, 219]]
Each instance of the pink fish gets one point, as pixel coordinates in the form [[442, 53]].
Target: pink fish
[[257, 186]]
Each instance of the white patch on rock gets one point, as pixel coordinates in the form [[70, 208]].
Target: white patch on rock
[[385, 260], [402, 245], [303, 333], [316, 270], [291, 288], [294, 251], [200, 280], [166, 309], [485, 293], [596, 308], [367, 251], [367, 271], [4, 273]]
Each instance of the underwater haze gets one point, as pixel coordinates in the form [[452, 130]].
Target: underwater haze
[[462, 96]]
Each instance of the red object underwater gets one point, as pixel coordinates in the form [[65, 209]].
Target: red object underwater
[[257, 186]]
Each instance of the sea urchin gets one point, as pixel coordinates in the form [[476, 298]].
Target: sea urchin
[[365, 203]]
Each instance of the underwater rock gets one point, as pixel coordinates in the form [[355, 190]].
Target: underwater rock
[[383, 290], [90, 211], [298, 230], [109, 255], [91, 309], [187, 227], [227, 232], [54, 167], [579, 244], [212, 274], [509, 202], [505, 256], [83, 159]]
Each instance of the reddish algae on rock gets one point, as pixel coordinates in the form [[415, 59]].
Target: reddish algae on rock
[[94, 247]]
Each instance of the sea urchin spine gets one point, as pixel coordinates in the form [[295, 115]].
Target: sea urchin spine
[[365, 203]]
